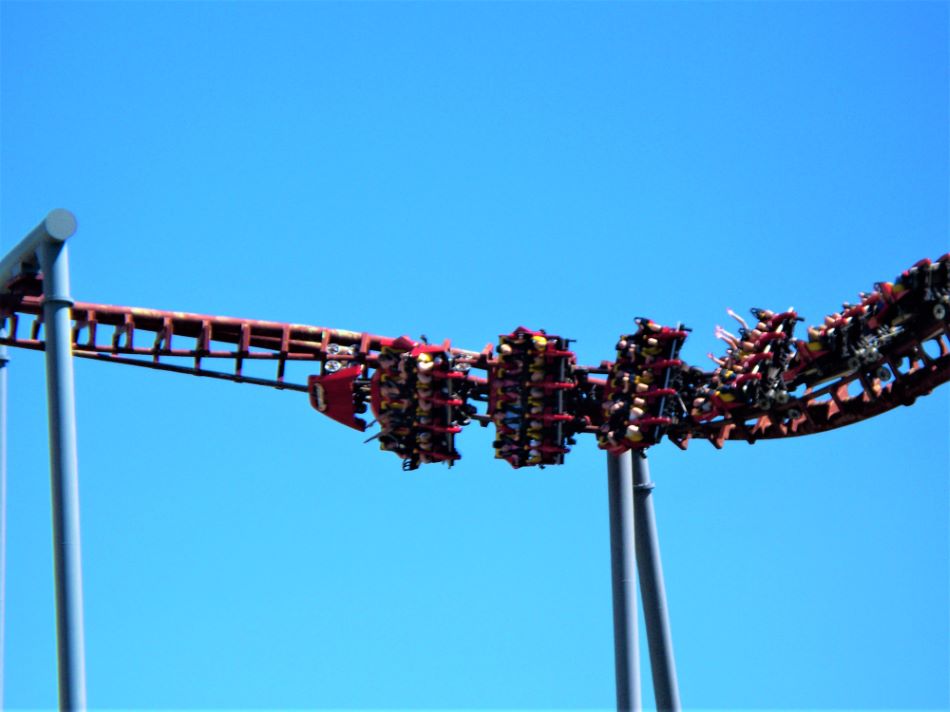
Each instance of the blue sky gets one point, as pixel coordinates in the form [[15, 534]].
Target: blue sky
[[459, 169]]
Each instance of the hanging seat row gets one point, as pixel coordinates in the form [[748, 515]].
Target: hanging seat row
[[528, 383], [638, 393]]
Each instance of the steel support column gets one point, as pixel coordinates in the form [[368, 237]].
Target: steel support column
[[624, 578], [3, 507], [653, 591], [64, 471]]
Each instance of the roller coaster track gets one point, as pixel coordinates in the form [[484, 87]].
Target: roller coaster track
[[911, 362], [848, 399]]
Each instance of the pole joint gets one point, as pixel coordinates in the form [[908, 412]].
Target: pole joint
[[58, 300]]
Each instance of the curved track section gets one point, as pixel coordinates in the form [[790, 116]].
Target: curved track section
[[890, 348]]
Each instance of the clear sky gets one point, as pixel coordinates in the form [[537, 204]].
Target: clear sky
[[459, 169]]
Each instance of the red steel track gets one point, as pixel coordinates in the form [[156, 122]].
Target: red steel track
[[847, 399], [918, 360]]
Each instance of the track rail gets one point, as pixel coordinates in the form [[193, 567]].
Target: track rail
[[188, 343], [917, 360], [846, 400]]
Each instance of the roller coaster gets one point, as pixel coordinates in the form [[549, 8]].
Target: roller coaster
[[888, 348]]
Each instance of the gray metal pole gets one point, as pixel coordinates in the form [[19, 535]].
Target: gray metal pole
[[58, 226], [3, 505], [64, 474], [624, 579], [653, 592]]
